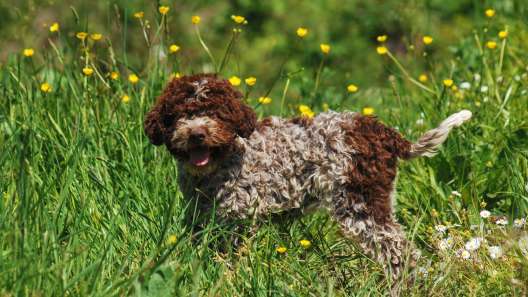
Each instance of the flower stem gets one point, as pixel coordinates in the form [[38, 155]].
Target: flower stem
[[284, 91], [228, 51], [407, 75], [197, 30], [318, 76]]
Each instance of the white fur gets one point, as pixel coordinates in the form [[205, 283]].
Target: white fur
[[429, 143]]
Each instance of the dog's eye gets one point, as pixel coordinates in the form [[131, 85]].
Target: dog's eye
[[167, 121]]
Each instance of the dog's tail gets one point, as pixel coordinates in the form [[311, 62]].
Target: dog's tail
[[429, 143]]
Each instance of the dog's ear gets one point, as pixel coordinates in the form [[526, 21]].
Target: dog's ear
[[152, 126], [247, 121]]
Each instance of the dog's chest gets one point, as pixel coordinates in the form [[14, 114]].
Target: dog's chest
[[273, 174]]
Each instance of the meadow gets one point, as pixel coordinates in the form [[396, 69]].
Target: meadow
[[89, 208]]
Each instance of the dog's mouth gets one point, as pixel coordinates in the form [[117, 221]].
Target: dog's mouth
[[199, 156]]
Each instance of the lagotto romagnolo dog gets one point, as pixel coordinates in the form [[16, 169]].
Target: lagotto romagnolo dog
[[340, 161]]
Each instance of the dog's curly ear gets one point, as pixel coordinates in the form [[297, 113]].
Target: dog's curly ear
[[152, 126], [247, 123]]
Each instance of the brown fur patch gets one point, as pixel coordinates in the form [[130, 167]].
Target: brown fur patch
[[301, 121], [372, 174], [265, 122]]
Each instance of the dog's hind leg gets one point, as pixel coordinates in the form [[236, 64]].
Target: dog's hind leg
[[384, 242]]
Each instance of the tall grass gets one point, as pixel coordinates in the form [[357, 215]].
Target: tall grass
[[89, 207]]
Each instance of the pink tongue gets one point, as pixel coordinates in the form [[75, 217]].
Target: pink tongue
[[199, 157]]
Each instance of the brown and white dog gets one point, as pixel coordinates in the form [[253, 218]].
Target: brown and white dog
[[343, 162]]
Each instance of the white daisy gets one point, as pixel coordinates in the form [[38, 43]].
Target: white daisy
[[473, 244], [502, 222], [440, 228], [519, 223], [423, 271], [465, 86], [484, 89], [456, 193], [464, 254], [495, 251], [445, 244], [485, 214]]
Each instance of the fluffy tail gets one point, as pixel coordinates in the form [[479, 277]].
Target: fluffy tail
[[428, 144]]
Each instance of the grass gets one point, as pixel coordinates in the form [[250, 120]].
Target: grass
[[90, 208]]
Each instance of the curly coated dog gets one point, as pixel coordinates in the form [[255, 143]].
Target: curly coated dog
[[248, 169]]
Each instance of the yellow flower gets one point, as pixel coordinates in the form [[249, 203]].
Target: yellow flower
[[352, 88], [306, 111], [503, 34], [54, 27], [490, 12], [239, 19], [304, 108], [87, 71], [302, 32], [28, 52], [423, 77], [96, 36], [173, 48], [133, 79], [325, 48], [427, 40], [125, 98], [448, 82], [114, 75], [172, 239], [175, 75], [81, 35], [491, 44], [264, 100], [382, 50], [454, 88], [368, 111], [234, 80], [281, 250], [382, 38], [251, 81], [305, 243], [139, 14], [45, 87], [163, 10], [326, 107], [195, 19]]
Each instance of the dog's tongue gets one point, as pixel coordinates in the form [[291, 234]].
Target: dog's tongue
[[199, 156]]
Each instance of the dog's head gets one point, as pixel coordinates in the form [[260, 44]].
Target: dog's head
[[198, 118]]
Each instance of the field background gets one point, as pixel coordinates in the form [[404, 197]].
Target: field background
[[89, 208]]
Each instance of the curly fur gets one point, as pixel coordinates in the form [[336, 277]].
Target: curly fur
[[343, 162]]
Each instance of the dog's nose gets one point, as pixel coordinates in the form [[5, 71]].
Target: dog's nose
[[197, 135]]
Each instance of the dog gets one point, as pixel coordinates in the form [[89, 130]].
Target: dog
[[244, 168]]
